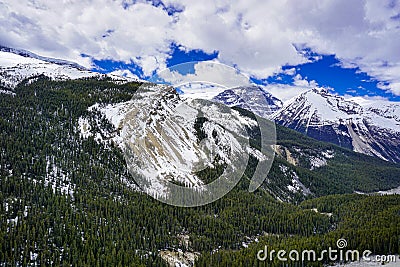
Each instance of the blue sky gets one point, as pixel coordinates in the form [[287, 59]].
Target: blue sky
[[351, 47], [178, 55], [326, 70]]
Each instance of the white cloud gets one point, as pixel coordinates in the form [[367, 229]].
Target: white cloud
[[300, 82], [102, 29], [210, 72], [256, 36], [360, 33], [285, 91], [208, 78], [290, 72], [247, 33], [366, 100], [125, 73]]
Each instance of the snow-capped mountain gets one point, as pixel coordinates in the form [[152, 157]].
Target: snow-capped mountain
[[367, 127], [17, 65], [28, 54], [252, 98]]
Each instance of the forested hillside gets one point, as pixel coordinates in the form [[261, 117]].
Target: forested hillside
[[365, 222]]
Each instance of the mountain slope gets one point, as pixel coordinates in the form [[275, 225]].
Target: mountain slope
[[67, 198], [372, 129], [174, 139]]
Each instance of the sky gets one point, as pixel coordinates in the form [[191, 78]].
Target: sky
[[351, 48]]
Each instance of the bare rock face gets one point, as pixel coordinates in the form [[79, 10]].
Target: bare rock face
[[170, 141]]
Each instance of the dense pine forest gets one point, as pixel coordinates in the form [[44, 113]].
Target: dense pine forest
[[66, 199]]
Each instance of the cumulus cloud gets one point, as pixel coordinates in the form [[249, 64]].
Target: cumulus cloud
[[204, 79], [286, 91], [300, 82], [366, 100], [257, 37], [210, 72], [102, 29]]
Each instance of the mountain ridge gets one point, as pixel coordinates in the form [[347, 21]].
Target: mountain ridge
[[26, 53], [18, 65], [321, 115], [303, 167]]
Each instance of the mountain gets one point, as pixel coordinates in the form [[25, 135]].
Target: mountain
[[370, 128], [383, 108], [18, 65], [253, 98], [174, 140], [28, 54]]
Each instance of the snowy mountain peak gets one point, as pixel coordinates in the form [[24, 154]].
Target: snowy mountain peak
[[371, 128], [253, 98], [384, 108], [322, 104]]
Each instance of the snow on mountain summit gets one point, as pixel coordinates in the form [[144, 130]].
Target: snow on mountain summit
[[17, 65], [364, 126], [15, 68], [318, 106], [253, 98]]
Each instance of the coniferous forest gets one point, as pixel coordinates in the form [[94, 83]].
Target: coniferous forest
[[68, 200]]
